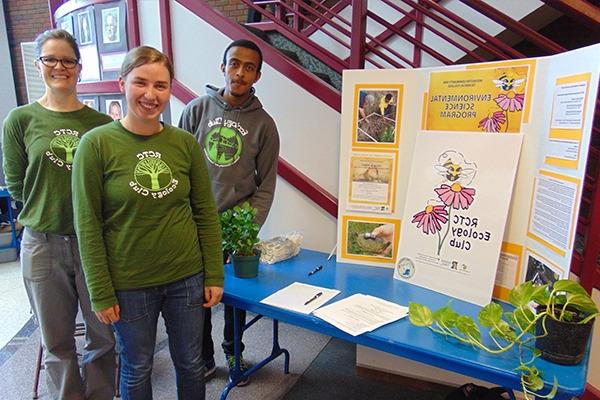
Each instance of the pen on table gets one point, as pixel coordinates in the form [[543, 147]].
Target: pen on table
[[314, 271], [332, 251], [316, 296]]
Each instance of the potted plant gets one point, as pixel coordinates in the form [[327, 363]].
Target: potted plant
[[565, 304], [240, 235]]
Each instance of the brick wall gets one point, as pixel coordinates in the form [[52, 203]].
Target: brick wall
[[25, 19], [234, 9]]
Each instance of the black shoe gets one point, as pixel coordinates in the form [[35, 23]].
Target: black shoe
[[243, 368]]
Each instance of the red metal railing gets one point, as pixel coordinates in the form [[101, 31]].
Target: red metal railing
[[350, 45]]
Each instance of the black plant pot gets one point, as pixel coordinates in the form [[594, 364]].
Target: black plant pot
[[246, 266], [565, 342]]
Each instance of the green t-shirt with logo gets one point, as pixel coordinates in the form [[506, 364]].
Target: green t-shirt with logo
[[38, 149], [144, 211]]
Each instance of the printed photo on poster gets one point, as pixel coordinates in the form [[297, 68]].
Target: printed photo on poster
[[110, 25], [85, 28], [114, 108], [370, 239], [377, 115], [540, 271], [372, 182]]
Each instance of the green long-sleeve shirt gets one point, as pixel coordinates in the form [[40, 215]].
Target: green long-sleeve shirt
[[144, 211], [38, 148]]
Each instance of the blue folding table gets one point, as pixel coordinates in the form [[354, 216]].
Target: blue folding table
[[400, 338]]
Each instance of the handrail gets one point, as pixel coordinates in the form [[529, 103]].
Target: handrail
[[504, 20], [302, 19]]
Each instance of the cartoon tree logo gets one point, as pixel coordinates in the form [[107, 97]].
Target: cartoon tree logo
[[66, 144], [452, 194], [153, 174], [223, 146]]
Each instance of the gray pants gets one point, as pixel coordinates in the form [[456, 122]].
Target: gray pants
[[55, 285]]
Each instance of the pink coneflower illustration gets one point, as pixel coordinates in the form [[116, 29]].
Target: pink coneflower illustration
[[456, 196], [431, 219], [510, 101], [493, 123]]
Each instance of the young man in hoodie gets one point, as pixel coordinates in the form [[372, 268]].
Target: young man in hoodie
[[241, 146]]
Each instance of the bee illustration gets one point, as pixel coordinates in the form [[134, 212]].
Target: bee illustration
[[506, 83], [453, 172], [454, 168]]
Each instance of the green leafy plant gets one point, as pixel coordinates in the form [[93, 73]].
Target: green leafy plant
[[240, 232], [497, 331]]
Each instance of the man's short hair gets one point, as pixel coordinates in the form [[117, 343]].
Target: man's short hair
[[248, 44]]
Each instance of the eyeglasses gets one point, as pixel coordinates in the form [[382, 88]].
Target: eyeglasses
[[51, 62]]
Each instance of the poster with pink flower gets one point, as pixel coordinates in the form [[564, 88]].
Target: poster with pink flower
[[486, 100], [457, 204]]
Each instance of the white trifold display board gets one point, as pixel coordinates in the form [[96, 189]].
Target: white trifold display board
[[411, 141]]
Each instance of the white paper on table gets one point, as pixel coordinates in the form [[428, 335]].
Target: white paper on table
[[361, 313], [294, 297]]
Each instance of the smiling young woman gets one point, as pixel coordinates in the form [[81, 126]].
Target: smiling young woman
[[39, 142], [148, 230]]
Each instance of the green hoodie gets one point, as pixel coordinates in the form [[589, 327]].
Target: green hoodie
[[241, 146]]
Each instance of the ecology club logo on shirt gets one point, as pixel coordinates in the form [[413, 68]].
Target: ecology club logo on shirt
[[62, 147], [152, 176], [223, 146]]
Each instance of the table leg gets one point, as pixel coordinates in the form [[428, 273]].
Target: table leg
[[236, 374]]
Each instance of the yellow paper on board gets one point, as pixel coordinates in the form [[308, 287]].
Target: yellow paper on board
[[487, 100]]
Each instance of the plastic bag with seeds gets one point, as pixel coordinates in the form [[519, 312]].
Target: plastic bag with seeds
[[280, 248]]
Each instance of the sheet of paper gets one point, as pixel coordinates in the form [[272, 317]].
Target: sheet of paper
[[361, 313], [300, 297]]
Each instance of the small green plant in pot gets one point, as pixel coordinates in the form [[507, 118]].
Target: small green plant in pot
[[240, 235], [523, 330]]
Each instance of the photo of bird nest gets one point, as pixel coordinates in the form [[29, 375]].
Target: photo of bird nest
[[360, 240]]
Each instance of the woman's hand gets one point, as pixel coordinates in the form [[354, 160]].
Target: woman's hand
[[109, 315], [212, 295]]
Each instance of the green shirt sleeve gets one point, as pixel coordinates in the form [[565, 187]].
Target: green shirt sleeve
[[87, 185], [205, 216], [14, 159]]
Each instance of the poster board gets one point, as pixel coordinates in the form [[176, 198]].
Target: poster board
[[548, 100]]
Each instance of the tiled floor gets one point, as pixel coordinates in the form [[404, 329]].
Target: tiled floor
[[14, 306]]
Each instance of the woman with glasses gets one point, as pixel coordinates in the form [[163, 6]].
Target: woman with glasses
[[148, 229], [39, 143]]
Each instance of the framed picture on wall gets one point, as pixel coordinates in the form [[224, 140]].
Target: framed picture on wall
[[110, 25], [66, 23], [114, 108], [111, 32], [91, 102], [85, 28]]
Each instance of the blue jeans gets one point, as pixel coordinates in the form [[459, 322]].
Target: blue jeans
[[181, 306]]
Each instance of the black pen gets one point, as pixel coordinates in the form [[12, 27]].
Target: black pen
[[314, 271], [316, 296]]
